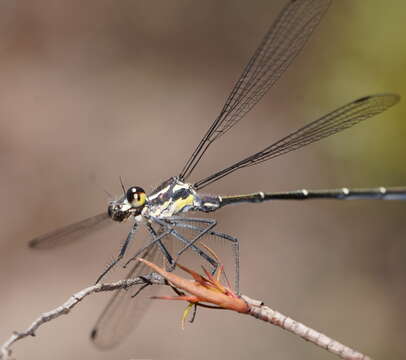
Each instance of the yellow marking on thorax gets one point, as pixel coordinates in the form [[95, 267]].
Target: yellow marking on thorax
[[182, 203]]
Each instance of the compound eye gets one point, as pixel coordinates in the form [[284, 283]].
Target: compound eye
[[131, 194], [136, 196]]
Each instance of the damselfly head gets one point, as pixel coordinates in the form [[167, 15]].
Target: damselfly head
[[131, 203]]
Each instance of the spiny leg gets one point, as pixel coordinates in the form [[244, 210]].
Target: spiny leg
[[203, 254], [234, 242], [142, 287], [167, 229], [211, 224], [162, 247], [155, 241], [122, 252], [198, 251], [194, 313]]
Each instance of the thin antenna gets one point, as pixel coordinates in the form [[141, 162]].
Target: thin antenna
[[108, 194], [122, 185]]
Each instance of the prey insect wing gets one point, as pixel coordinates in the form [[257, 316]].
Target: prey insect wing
[[281, 44], [70, 232], [124, 312]]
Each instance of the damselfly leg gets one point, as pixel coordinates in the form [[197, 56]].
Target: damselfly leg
[[164, 249], [185, 223], [166, 229], [167, 223], [182, 222], [122, 252], [122, 313]]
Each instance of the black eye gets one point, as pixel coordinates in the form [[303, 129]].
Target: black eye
[[133, 193]]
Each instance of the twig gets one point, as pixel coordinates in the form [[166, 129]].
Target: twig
[[5, 350], [258, 310], [210, 290], [203, 289]]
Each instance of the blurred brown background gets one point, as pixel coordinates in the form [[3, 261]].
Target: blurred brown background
[[90, 90]]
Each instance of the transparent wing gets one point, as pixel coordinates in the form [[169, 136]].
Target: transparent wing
[[338, 120], [70, 232], [281, 44], [124, 312]]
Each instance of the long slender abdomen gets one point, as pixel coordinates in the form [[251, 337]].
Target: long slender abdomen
[[380, 193]]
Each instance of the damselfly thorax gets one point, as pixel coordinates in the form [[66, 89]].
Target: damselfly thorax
[[173, 197], [169, 199]]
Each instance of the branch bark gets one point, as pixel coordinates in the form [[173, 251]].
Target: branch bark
[[254, 308], [65, 308], [258, 310]]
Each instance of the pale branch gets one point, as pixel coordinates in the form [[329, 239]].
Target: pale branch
[[258, 310], [210, 290], [5, 349], [255, 308]]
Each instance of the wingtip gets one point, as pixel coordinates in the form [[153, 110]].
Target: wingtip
[[395, 98]]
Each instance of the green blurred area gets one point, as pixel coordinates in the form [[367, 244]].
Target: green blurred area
[[367, 56]]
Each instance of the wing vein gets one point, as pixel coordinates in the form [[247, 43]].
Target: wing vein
[[281, 44], [337, 120]]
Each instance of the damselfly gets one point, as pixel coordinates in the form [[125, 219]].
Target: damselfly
[[162, 212]]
